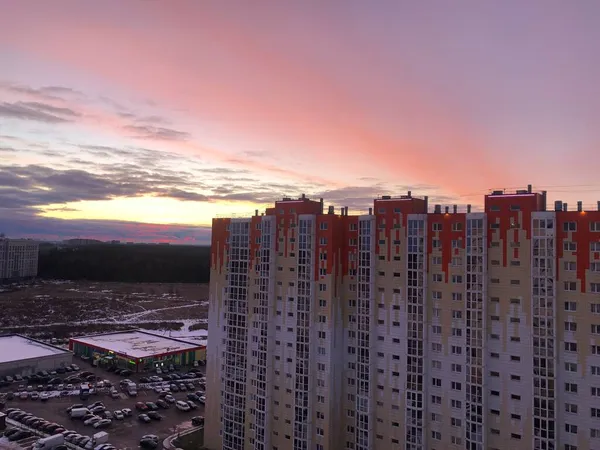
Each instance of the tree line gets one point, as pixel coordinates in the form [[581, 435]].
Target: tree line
[[126, 263]]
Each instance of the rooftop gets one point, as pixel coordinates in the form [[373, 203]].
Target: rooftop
[[136, 343], [14, 347]]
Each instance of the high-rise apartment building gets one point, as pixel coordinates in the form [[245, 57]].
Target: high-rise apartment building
[[406, 329], [18, 259]]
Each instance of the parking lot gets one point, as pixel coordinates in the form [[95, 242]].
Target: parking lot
[[124, 434]]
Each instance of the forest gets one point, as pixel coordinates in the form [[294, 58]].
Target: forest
[[126, 263]]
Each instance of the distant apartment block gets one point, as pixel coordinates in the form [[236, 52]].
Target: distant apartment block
[[408, 327], [18, 259]]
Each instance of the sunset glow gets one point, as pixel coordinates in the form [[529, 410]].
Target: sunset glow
[[171, 113]]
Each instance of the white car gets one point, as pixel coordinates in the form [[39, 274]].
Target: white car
[[92, 420], [182, 406], [202, 399], [127, 412], [118, 415]]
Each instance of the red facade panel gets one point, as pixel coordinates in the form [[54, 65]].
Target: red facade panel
[[218, 243], [582, 236], [392, 212], [453, 227], [511, 212]]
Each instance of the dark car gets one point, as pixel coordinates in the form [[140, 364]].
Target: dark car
[[197, 421], [148, 444], [193, 397], [154, 415], [161, 403], [144, 418], [152, 406]]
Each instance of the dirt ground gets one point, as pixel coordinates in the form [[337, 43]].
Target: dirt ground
[[62, 309], [123, 434]]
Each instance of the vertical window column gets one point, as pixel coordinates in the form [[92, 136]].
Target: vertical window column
[[544, 330], [233, 398], [416, 294], [475, 297]]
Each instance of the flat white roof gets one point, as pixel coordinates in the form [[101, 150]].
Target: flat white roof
[[136, 344], [16, 348]]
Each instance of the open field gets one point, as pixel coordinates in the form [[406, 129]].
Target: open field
[[60, 309]]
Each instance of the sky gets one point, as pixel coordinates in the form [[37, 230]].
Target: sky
[[141, 120]]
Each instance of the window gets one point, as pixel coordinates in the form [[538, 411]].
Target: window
[[595, 288], [457, 404], [570, 266], [457, 226], [571, 387], [436, 400], [595, 329], [595, 246], [436, 261], [571, 306], [436, 226], [457, 261], [594, 412], [570, 367], [571, 326], [570, 428], [569, 246], [436, 295], [570, 347], [436, 243], [436, 435], [569, 226], [595, 267], [456, 422], [435, 364], [457, 332], [322, 287], [437, 382], [457, 279], [456, 386], [437, 277], [457, 296], [456, 314], [595, 308], [436, 347], [595, 226], [436, 329], [595, 349], [323, 225], [571, 408], [456, 350]]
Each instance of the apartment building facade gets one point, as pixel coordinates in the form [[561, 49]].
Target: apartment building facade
[[18, 259], [406, 328]]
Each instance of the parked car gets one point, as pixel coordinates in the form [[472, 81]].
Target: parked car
[[144, 418], [104, 423], [127, 412], [154, 415], [118, 415], [182, 406], [197, 421], [141, 406]]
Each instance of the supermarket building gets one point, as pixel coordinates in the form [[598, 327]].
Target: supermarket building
[[137, 350]]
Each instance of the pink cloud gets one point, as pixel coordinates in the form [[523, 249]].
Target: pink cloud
[[230, 70]]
